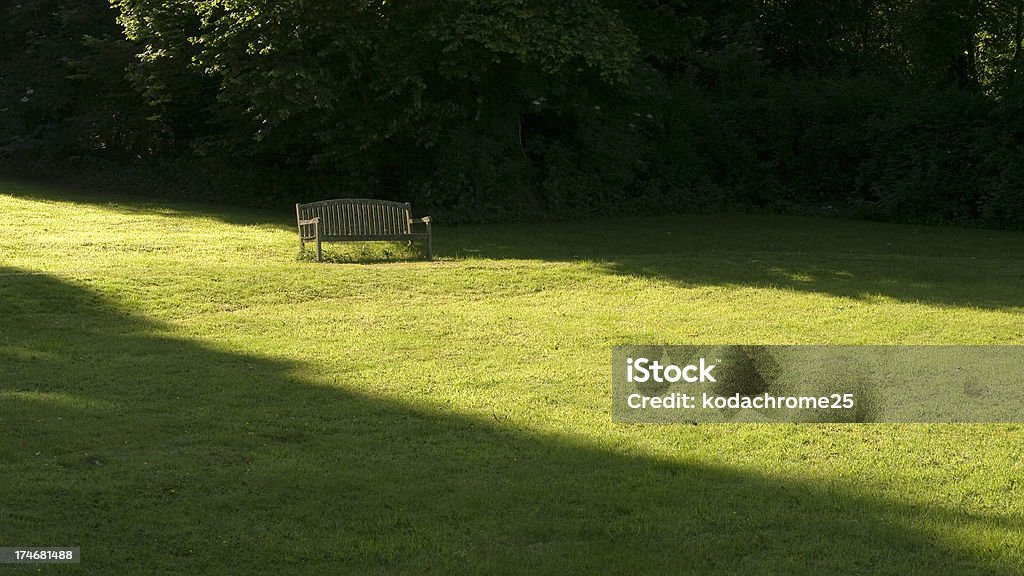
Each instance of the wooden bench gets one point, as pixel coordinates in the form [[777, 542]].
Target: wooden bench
[[358, 220]]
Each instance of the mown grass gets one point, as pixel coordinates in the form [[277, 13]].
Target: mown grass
[[181, 392]]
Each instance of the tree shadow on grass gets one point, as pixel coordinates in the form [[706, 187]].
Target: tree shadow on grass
[[365, 252], [156, 454], [130, 205], [858, 260]]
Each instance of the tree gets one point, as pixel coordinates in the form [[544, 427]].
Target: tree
[[355, 85]]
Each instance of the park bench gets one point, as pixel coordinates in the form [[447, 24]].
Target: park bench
[[358, 220]]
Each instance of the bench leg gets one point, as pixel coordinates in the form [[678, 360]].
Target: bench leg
[[319, 251], [430, 242]]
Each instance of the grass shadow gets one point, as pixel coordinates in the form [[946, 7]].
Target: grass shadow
[[858, 260], [157, 454], [135, 205], [364, 252]]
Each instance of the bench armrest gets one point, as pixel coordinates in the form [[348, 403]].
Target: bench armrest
[[310, 221], [424, 220]]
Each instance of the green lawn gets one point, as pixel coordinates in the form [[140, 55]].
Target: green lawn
[[180, 392]]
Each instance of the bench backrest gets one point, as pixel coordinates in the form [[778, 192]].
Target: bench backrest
[[355, 217]]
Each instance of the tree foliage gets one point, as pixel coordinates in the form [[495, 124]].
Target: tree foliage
[[498, 109]]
